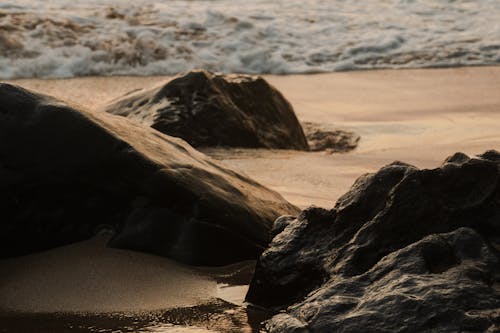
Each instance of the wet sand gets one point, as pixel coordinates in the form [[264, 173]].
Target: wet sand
[[86, 287], [419, 116], [89, 277]]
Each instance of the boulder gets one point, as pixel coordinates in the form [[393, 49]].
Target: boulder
[[67, 173], [405, 250], [208, 110]]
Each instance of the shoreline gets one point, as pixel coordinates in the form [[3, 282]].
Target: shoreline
[[265, 74]]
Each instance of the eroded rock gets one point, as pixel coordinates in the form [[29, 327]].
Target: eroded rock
[[208, 110], [68, 173], [405, 250]]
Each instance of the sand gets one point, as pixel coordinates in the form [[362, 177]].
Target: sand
[[89, 277], [418, 116], [87, 287]]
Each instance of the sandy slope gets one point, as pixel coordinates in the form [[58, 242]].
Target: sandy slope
[[88, 277]]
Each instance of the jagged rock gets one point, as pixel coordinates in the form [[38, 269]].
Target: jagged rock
[[208, 109], [67, 173], [405, 250]]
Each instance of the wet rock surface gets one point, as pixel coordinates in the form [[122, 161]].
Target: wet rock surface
[[404, 250], [331, 141], [68, 173], [208, 110]]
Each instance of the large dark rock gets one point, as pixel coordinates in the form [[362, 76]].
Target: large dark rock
[[68, 173], [405, 250], [207, 110]]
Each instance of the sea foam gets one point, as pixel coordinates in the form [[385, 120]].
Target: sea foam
[[67, 38]]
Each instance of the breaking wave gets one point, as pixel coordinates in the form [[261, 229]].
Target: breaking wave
[[67, 38]]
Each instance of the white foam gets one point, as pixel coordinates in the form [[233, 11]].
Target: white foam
[[65, 38]]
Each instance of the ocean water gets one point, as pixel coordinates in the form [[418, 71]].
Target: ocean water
[[67, 38]]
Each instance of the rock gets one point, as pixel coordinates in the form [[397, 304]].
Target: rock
[[208, 109], [284, 323], [405, 250], [331, 141], [68, 173]]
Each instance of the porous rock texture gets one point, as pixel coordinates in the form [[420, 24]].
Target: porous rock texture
[[67, 173], [208, 110], [405, 250]]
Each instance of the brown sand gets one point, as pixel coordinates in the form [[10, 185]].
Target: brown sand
[[88, 277], [86, 287], [417, 116]]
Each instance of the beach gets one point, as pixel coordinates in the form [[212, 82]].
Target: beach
[[419, 116], [168, 188]]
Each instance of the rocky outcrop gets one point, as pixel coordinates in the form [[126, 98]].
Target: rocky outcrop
[[208, 110], [68, 173], [405, 250]]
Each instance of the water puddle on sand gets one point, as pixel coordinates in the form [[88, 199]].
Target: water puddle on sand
[[226, 313], [216, 316]]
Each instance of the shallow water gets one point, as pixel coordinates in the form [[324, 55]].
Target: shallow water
[[65, 38], [216, 316], [87, 287]]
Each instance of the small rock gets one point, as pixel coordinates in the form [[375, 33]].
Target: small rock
[[331, 141]]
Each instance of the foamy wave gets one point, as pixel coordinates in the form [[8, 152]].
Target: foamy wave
[[63, 39]]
